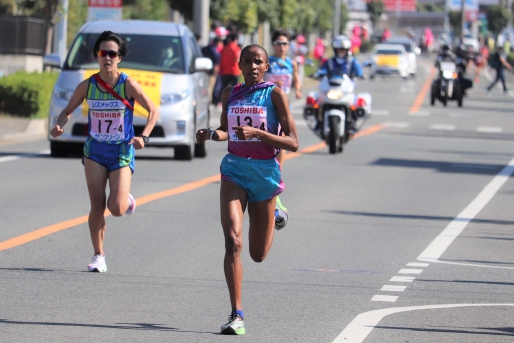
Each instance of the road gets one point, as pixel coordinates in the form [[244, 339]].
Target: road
[[405, 237]]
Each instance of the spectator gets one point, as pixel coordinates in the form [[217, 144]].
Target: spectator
[[210, 51], [386, 34], [319, 50], [300, 51], [229, 70], [498, 62]]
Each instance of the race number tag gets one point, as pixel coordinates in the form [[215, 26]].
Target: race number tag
[[283, 80], [254, 116], [107, 125]]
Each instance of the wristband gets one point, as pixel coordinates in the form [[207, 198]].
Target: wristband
[[214, 135]]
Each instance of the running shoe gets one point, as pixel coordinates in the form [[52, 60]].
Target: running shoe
[[132, 204], [281, 215], [97, 264], [235, 325]]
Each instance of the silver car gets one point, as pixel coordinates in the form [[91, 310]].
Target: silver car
[[168, 64], [412, 52]]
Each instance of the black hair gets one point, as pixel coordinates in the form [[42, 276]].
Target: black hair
[[279, 33], [111, 36], [251, 46], [232, 37]]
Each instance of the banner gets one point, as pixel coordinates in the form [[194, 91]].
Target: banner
[[105, 10]]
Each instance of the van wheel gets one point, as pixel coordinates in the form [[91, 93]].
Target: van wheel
[[58, 149], [184, 153]]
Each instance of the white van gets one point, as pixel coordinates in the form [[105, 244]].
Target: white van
[[168, 64]]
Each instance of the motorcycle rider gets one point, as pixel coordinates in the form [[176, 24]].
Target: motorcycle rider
[[446, 55], [343, 63]]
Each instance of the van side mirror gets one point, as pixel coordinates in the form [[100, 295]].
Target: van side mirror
[[52, 60], [417, 51], [203, 64]]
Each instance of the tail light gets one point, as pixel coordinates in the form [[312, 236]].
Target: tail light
[[360, 102], [311, 101]]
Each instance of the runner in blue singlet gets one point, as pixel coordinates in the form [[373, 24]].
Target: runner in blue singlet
[[109, 148], [253, 114]]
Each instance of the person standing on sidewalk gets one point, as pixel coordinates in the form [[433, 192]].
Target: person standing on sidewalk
[[252, 115], [109, 148], [229, 58], [498, 62]]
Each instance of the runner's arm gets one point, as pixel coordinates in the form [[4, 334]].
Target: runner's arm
[[220, 134], [296, 80], [78, 96]]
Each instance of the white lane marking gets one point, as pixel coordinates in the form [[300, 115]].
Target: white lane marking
[[489, 129], [439, 245], [380, 112], [393, 288], [402, 279], [362, 325], [469, 264], [19, 156], [420, 114], [416, 264], [410, 271], [396, 125], [387, 298], [442, 127]]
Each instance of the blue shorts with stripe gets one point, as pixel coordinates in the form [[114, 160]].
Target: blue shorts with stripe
[[261, 179], [111, 156]]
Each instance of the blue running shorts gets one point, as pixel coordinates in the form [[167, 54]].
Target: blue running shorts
[[111, 156], [261, 179]]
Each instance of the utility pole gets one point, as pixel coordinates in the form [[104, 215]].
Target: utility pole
[[201, 20], [337, 18], [61, 32], [463, 19]]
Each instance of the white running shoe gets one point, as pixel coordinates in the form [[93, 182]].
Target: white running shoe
[[281, 215], [132, 205], [235, 326], [97, 264]]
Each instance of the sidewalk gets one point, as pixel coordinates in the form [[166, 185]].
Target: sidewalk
[[19, 129]]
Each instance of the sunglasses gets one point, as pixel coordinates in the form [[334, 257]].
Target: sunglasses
[[110, 53], [280, 43]]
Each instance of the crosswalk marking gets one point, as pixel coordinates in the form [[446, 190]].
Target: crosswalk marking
[[489, 129], [388, 298], [442, 127]]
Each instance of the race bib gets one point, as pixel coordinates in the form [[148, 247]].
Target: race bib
[[107, 125], [254, 116], [283, 80]]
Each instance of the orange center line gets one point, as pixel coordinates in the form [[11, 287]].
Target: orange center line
[[423, 92], [48, 230]]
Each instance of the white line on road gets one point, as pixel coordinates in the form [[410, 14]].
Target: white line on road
[[417, 264], [410, 271], [393, 288], [387, 298], [456, 226], [362, 325], [442, 127], [397, 125], [402, 279], [19, 156], [489, 129]]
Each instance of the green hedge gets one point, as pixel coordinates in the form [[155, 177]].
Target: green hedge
[[27, 94]]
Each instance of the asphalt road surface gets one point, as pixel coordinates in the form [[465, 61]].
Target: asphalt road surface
[[405, 237]]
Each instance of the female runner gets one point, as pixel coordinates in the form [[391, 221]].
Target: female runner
[[250, 175], [109, 148]]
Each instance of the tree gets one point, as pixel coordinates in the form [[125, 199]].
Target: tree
[[375, 9], [144, 9], [455, 19], [497, 18]]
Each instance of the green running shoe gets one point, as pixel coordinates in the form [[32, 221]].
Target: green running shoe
[[281, 215], [235, 326]]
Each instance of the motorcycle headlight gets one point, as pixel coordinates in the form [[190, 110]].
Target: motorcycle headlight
[[447, 74], [335, 94], [62, 93], [173, 98]]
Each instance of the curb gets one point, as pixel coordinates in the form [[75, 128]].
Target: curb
[[36, 129]]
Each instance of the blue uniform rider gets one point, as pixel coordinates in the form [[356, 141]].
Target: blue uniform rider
[[342, 62]]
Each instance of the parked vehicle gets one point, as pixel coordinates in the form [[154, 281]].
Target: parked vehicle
[[448, 86], [388, 59], [336, 112], [168, 64], [412, 52]]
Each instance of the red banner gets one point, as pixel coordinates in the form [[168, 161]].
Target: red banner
[[399, 5]]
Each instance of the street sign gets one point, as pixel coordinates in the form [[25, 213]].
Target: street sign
[[105, 10]]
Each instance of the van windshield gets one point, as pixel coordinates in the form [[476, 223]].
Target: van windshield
[[407, 46], [388, 52], [153, 53]]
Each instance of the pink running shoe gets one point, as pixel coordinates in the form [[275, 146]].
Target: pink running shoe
[[132, 204]]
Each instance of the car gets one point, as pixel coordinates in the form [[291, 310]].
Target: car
[[164, 59], [389, 59], [412, 51]]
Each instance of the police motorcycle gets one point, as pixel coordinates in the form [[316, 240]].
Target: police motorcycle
[[448, 86], [336, 112]]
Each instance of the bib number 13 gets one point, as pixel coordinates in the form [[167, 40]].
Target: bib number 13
[[248, 121]]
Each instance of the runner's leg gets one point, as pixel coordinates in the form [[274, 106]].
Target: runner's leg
[[262, 228], [119, 184], [233, 201], [96, 178]]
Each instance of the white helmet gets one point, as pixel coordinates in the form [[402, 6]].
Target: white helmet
[[341, 42]]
